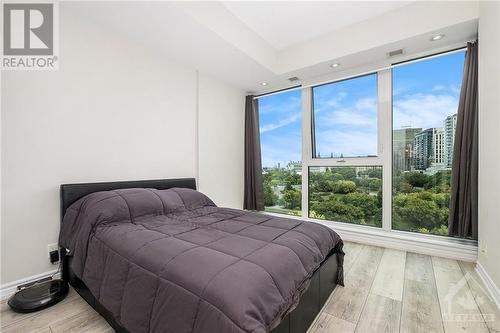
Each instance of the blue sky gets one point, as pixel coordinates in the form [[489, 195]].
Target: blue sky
[[346, 117], [280, 128], [424, 93]]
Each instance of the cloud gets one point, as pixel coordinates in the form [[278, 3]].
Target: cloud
[[279, 104], [356, 115], [281, 149], [336, 100], [347, 117], [399, 89], [281, 123], [453, 89], [325, 102], [348, 143], [438, 88], [279, 110], [424, 110], [367, 103]]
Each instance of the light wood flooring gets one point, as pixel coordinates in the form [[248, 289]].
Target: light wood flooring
[[386, 291]]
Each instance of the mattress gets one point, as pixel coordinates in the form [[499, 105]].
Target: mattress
[[172, 261]]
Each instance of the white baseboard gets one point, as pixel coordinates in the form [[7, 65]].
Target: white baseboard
[[436, 246], [8, 289], [489, 284]]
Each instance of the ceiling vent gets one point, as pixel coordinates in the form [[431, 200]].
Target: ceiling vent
[[293, 79], [395, 53]]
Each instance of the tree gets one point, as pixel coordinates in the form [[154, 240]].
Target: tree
[[405, 187], [315, 196], [270, 198], [367, 203], [344, 186], [440, 179], [346, 172], [369, 184], [416, 179], [442, 200], [418, 210], [322, 185], [442, 230], [292, 199], [336, 176], [334, 210], [293, 178], [375, 173]]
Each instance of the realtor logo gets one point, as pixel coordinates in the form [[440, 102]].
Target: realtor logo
[[463, 305], [28, 29], [29, 36]]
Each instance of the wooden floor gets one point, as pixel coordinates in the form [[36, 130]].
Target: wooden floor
[[386, 291]]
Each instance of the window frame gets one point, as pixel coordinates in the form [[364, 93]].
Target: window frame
[[410, 61], [360, 232], [277, 92], [349, 159], [384, 125]]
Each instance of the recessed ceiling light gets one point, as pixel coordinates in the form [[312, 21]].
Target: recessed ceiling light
[[437, 37], [335, 65], [263, 83]]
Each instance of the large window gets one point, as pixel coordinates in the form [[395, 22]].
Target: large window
[[372, 150], [281, 147], [345, 118], [425, 102], [344, 124]]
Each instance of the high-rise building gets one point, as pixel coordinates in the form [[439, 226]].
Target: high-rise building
[[422, 149], [450, 127], [295, 166], [403, 148], [438, 148], [429, 149]]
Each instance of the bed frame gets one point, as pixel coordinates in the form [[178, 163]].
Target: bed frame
[[297, 321]]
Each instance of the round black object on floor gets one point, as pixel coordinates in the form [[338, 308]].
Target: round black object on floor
[[39, 296]]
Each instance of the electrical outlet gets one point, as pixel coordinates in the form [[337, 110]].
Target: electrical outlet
[[52, 247]]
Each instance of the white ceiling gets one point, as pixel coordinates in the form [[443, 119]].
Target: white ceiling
[[165, 26], [208, 35], [284, 23]]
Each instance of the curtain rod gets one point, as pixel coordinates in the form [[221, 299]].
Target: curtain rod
[[371, 71]]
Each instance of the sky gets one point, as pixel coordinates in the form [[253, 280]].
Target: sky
[[424, 94]]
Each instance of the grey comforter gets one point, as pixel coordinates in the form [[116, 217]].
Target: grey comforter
[[172, 261]]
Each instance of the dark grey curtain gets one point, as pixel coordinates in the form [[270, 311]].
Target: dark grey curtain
[[462, 220], [253, 192]]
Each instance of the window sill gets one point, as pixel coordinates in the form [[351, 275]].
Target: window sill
[[441, 246]]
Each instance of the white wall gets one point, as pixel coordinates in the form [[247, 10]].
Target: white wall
[[489, 137], [221, 142], [113, 111]]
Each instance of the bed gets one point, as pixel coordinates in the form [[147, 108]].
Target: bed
[[158, 256]]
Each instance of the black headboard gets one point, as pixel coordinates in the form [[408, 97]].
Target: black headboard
[[72, 192]]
